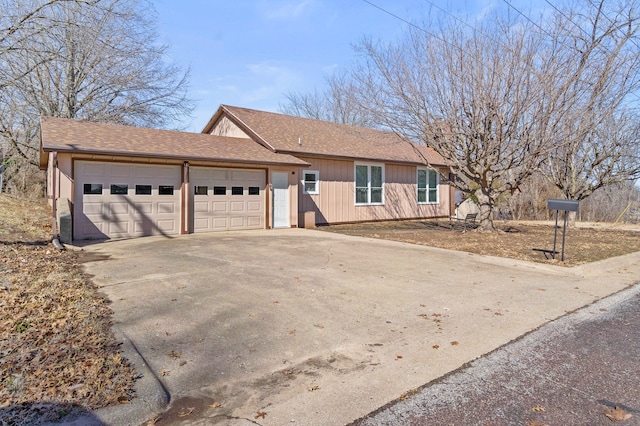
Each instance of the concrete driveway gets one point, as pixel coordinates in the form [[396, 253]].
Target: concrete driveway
[[306, 327]]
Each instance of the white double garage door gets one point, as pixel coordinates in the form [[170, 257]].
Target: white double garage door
[[115, 200]]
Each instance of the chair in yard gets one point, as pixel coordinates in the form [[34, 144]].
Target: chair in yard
[[467, 222]]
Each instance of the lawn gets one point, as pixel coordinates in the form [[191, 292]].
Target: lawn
[[57, 351], [514, 240]]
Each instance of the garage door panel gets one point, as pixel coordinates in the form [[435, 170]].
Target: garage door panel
[[237, 206], [143, 208], [219, 206], [201, 207], [254, 206], [136, 213], [168, 226], [92, 208], [120, 171], [254, 221], [200, 224], [118, 227], [118, 208], [219, 223], [167, 208], [219, 174], [237, 222], [92, 169], [230, 205]]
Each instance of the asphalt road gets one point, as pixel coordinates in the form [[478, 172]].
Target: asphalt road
[[571, 371]]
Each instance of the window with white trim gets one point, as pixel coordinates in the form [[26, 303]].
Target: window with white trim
[[310, 181], [369, 184], [427, 186]]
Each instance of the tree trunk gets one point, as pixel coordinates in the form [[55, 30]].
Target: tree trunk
[[485, 203]]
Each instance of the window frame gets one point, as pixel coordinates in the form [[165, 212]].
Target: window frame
[[119, 189], [369, 186], [198, 188], [316, 173], [166, 190], [430, 187], [92, 189], [143, 189]]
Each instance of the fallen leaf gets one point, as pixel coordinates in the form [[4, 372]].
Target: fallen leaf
[[153, 421], [454, 343], [398, 356], [164, 372], [260, 414], [175, 354], [617, 414], [538, 409], [436, 346], [215, 405], [187, 412], [497, 313], [314, 388]]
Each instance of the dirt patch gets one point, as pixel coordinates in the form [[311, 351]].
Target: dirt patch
[[516, 240], [57, 352]]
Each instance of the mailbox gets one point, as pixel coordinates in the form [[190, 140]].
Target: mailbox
[[564, 205]]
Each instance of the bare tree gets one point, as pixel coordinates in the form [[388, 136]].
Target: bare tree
[[599, 140], [93, 60], [337, 103], [495, 99], [471, 99]]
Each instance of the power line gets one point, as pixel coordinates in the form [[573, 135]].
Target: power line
[[397, 17], [527, 18], [418, 27]]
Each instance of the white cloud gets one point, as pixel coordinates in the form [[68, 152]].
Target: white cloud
[[288, 10]]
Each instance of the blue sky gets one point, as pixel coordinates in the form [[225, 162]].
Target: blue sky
[[250, 53]]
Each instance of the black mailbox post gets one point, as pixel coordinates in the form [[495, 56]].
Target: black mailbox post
[[566, 206]]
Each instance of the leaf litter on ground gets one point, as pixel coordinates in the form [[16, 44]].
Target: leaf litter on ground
[[57, 351]]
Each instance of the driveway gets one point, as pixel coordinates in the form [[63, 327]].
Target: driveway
[[305, 327]]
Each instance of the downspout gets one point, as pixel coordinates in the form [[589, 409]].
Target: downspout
[[54, 204]]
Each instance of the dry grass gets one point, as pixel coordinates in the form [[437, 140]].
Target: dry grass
[[57, 352], [514, 240]]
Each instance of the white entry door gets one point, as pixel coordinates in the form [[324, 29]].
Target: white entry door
[[280, 184]]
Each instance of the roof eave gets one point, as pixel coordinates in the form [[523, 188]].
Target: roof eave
[[298, 163], [352, 158]]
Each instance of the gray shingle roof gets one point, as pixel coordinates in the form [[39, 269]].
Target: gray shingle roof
[[65, 135], [304, 136]]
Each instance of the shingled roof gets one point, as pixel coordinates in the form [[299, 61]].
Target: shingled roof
[[304, 136], [65, 135]]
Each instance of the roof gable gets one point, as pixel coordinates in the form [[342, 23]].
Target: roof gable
[[304, 136], [65, 135]]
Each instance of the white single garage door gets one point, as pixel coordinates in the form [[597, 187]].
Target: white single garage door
[[227, 199], [114, 200]]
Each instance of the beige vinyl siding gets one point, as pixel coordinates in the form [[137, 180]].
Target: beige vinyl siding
[[335, 201], [225, 127]]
